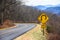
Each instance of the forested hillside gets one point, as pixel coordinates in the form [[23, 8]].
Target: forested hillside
[[13, 10]]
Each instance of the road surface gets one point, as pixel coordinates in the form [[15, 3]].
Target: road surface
[[10, 34], [34, 34]]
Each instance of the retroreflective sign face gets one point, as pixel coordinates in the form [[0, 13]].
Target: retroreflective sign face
[[43, 18]]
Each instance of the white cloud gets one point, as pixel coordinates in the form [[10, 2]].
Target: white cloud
[[41, 2]]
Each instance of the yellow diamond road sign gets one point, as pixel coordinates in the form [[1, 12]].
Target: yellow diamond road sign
[[43, 18]]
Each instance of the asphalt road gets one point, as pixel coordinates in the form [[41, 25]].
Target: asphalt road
[[11, 33]]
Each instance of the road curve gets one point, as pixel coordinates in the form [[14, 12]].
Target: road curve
[[10, 34]]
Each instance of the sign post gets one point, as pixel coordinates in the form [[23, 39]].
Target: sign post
[[43, 18]]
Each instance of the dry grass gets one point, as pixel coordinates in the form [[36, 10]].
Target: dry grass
[[53, 36], [7, 24], [34, 34]]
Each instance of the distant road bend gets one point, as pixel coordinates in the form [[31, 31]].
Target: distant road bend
[[10, 34]]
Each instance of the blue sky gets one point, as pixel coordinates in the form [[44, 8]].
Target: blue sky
[[41, 2]]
